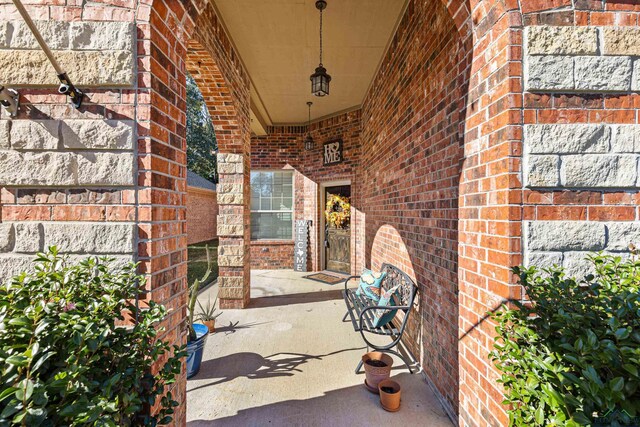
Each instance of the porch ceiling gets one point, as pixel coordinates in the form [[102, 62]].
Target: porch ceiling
[[278, 43]]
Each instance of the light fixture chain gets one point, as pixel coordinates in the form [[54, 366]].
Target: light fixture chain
[[320, 36]]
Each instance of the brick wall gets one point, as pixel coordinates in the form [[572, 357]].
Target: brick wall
[[202, 212], [412, 151], [271, 255], [283, 148]]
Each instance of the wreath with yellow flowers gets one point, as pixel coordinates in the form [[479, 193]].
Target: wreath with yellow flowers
[[337, 211]]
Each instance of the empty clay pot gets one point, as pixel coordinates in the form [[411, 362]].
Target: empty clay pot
[[211, 324], [375, 374], [389, 395]]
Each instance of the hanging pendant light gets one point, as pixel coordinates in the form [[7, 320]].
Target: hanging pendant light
[[320, 79], [308, 140]]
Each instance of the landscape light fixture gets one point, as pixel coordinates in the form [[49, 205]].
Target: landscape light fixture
[[308, 140], [9, 100], [66, 87], [320, 79]]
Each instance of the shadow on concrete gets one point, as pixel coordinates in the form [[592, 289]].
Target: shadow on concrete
[[255, 366], [232, 327], [289, 299], [351, 406]]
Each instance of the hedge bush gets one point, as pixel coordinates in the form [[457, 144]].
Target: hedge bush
[[572, 355], [67, 356]]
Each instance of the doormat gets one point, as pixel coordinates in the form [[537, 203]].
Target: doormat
[[325, 278]]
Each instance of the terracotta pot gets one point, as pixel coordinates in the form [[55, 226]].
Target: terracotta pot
[[376, 374], [390, 400], [211, 324]]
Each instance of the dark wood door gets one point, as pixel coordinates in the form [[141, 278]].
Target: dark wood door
[[338, 239], [339, 250]]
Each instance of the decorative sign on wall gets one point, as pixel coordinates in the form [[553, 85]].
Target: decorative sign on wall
[[333, 152], [300, 245]]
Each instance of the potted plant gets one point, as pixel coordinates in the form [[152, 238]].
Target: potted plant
[[377, 367], [197, 331], [208, 314], [389, 395]]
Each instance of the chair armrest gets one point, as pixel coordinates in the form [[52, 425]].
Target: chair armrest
[[382, 307], [347, 280]]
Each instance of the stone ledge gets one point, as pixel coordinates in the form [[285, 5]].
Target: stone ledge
[[66, 168], [12, 264], [69, 35], [86, 68]]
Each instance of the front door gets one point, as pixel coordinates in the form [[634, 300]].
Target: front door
[[338, 228]]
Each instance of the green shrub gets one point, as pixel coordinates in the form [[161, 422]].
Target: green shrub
[[67, 359], [573, 354]]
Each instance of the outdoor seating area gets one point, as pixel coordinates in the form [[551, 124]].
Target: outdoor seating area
[[288, 360], [320, 212]]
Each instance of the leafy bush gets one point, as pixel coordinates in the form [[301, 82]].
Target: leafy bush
[[66, 357], [573, 354]]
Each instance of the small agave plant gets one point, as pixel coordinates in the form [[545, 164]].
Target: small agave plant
[[208, 312]]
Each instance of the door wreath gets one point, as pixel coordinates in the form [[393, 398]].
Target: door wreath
[[337, 211]]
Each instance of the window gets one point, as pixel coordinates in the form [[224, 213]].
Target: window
[[272, 205]]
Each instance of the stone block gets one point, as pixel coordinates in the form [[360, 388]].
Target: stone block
[[230, 199], [229, 158], [566, 138], [546, 73], [230, 168], [93, 68], [577, 265], [47, 169], [621, 41], [35, 134], [231, 293], [543, 259], [230, 261], [5, 128], [237, 219], [56, 34], [621, 234], [101, 35], [230, 282], [29, 237], [625, 139], [549, 40], [90, 238], [635, 80], [553, 236], [230, 230], [5, 34], [97, 134], [542, 171], [229, 188], [12, 265], [7, 236], [599, 171], [604, 73], [100, 168]]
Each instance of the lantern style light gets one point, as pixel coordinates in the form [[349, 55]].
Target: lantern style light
[[308, 140], [320, 79]]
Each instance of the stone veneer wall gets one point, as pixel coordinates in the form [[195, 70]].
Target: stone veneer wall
[[67, 176], [592, 157]]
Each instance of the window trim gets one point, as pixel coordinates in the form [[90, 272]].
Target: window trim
[[293, 206]]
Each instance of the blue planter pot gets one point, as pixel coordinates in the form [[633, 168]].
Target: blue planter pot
[[195, 349]]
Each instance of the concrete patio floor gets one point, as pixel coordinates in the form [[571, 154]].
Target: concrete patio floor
[[289, 360]]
